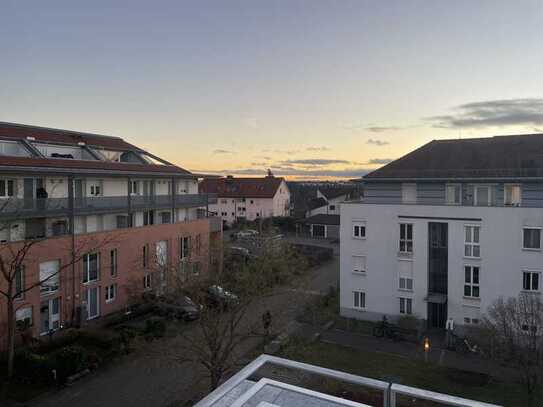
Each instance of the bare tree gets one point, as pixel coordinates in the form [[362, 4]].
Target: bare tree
[[236, 318], [13, 257], [514, 328]]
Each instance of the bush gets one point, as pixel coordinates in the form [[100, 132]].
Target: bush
[[155, 327], [33, 368], [70, 360]]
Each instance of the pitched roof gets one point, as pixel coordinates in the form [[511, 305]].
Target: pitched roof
[[322, 219], [12, 131], [331, 193], [231, 187], [490, 157], [16, 131], [315, 203]]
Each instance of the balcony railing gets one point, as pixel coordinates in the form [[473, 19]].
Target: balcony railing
[[14, 208]]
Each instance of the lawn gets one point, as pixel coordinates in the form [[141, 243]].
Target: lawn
[[409, 372]]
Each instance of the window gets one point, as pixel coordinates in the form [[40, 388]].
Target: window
[[91, 267], [113, 262], [147, 281], [531, 238], [92, 297], [530, 280], [166, 217], [406, 306], [95, 189], [133, 187], [49, 315], [224, 201], [23, 316], [111, 292], [59, 228], [406, 283], [145, 256], [252, 202], [409, 193], [406, 238], [359, 230], [148, 218], [359, 264], [471, 281], [19, 283], [454, 194], [332, 207], [7, 188], [472, 248], [511, 195], [359, 300], [49, 278], [482, 195], [184, 247], [123, 221]]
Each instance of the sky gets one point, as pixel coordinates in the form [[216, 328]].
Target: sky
[[311, 89]]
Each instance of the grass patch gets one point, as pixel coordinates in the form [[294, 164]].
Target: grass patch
[[410, 372]]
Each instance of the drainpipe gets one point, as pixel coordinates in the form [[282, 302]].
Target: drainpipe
[[71, 212], [173, 192], [129, 201]]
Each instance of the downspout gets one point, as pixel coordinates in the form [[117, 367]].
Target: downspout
[[71, 198]]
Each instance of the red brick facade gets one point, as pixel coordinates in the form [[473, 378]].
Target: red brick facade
[[130, 274]]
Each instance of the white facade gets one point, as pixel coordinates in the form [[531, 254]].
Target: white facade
[[372, 264], [331, 208], [251, 208]]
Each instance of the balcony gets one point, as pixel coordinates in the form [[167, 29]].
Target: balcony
[[17, 208]]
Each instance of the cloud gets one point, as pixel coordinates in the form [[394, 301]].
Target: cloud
[[315, 162], [493, 113], [221, 151], [380, 160], [287, 152], [382, 129], [376, 142], [353, 172], [323, 148], [251, 122]]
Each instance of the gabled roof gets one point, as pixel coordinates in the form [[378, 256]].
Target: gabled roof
[[331, 193], [491, 157], [315, 203], [230, 187], [19, 132]]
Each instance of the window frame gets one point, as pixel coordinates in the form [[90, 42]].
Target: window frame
[[113, 262], [406, 306], [447, 194], [505, 186], [56, 277], [86, 269], [359, 225], [523, 238], [360, 299], [406, 240], [406, 288], [110, 293], [472, 243], [471, 284], [7, 182], [361, 256], [531, 280]]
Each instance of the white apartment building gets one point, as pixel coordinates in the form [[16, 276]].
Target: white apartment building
[[444, 231], [247, 198]]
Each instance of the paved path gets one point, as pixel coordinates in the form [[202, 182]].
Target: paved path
[[157, 381]]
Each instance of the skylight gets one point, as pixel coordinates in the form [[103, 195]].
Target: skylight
[[13, 148]]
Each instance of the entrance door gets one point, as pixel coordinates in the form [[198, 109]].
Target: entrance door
[[93, 305], [49, 315]]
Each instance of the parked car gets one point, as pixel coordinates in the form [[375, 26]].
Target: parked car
[[218, 296], [180, 307]]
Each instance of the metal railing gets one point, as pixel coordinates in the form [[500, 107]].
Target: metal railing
[[43, 207], [390, 391]]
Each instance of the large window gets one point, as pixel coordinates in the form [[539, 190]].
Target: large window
[[19, 283], [531, 238], [471, 281], [530, 280], [49, 276], [111, 293], [406, 238], [7, 188], [472, 247], [511, 195], [406, 283], [406, 306], [454, 194], [359, 230], [91, 267], [145, 256], [359, 299], [184, 247]]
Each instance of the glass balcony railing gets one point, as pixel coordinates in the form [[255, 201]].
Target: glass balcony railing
[[14, 208]]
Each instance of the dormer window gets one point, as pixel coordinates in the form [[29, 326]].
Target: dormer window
[[13, 148]]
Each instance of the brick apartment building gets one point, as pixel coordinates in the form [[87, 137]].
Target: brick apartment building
[[131, 219]]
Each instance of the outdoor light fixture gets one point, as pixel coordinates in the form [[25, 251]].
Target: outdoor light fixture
[[426, 344]]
